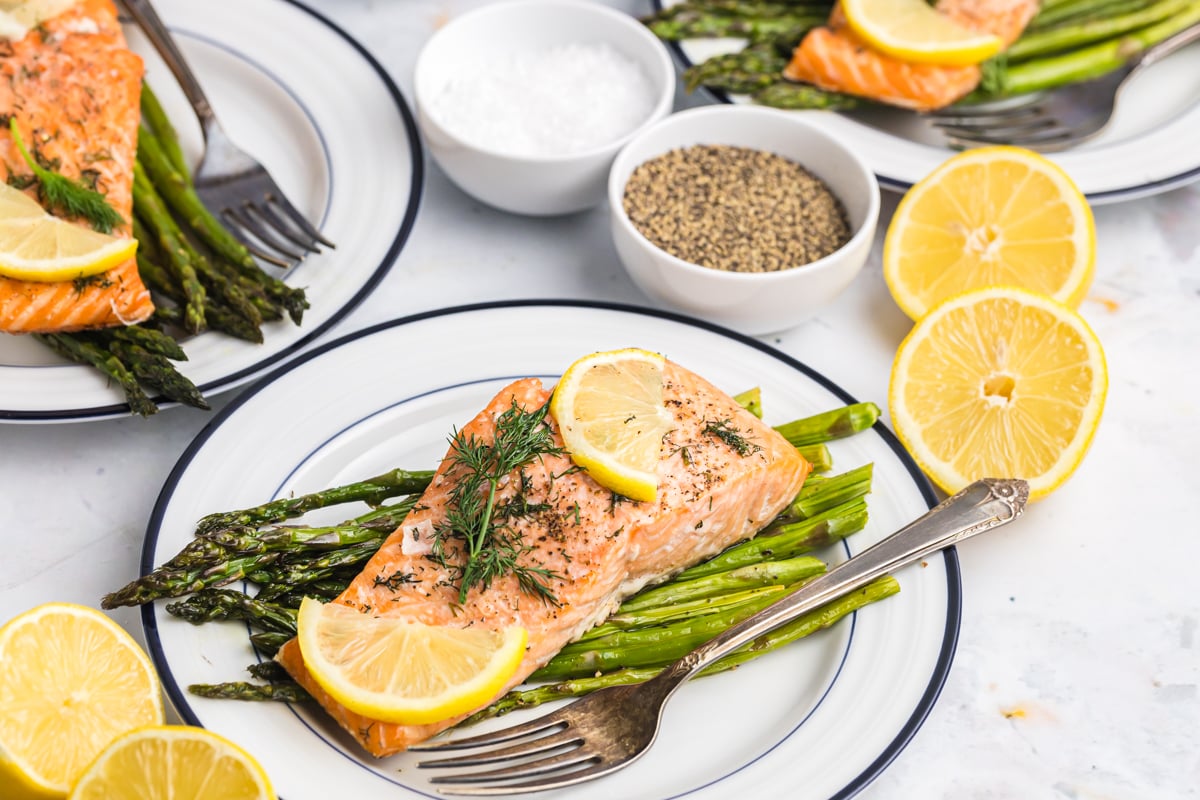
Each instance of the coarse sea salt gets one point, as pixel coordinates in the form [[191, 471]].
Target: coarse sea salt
[[565, 99]]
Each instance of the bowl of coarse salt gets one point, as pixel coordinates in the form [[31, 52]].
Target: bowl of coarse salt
[[524, 103], [749, 217]]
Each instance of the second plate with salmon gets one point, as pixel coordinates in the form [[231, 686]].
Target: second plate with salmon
[[817, 719]]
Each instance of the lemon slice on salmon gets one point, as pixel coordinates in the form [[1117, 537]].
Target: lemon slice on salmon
[[999, 382], [989, 217], [405, 672], [36, 246], [173, 761], [610, 411], [914, 31], [71, 681]]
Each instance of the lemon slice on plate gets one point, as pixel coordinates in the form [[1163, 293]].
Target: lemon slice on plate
[[405, 672], [988, 217], [71, 681], [610, 412], [36, 246], [173, 761], [998, 382], [915, 31]]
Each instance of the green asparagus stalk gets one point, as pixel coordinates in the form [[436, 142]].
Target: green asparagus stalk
[[830, 425], [269, 642], [372, 491], [289, 692], [164, 583], [209, 605], [818, 456], [751, 400], [158, 373], [804, 626], [818, 496], [85, 352], [155, 118], [271, 671], [1073, 11], [800, 96], [163, 230], [150, 339], [636, 620], [783, 571], [754, 29], [744, 72], [177, 190], [740, 8], [1067, 37]]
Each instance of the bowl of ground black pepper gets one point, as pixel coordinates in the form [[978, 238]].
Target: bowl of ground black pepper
[[525, 103], [748, 217]]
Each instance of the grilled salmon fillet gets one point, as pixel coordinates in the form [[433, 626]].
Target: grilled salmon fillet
[[832, 57], [73, 87], [601, 548]]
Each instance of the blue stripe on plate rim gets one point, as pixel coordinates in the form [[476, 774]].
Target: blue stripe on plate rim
[[898, 185], [402, 234], [179, 697]]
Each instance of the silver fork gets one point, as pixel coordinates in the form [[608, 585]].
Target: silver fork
[[1056, 119], [228, 179], [607, 730]]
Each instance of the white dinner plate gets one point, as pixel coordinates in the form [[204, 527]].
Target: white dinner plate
[[816, 720], [334, 131], [1150, 146]]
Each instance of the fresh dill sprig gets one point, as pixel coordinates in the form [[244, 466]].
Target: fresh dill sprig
[[724, 430], [68, 197], [491, 547]]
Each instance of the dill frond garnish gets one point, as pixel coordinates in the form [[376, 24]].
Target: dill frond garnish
[[724, 430], [65, 196], [492, 548]]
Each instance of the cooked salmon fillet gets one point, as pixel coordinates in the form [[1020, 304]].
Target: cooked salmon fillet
[[601, 548], [74, 86], [832, 57]]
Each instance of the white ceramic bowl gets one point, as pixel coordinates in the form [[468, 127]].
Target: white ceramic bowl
[[754, 303], [536, 185]]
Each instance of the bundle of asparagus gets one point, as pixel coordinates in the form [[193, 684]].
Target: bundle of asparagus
[[202, 277], [1067, 42], [651, 629]]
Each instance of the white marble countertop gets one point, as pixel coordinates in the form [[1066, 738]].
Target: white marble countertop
[[1078, 665]]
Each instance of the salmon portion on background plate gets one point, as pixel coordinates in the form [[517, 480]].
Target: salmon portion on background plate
[[599, 548], [833, 58], [73, 87]]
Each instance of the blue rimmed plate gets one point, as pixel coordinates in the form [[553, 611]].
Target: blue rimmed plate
[[1148, 148], [332, 129], [815, 721]]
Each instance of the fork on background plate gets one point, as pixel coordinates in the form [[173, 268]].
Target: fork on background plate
[[1056, 119], [229, 180], [611, 728]]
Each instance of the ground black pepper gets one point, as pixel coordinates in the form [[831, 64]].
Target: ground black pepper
[[735, 209]]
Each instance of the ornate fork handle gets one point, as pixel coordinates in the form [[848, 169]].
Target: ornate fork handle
[[156, 31], [983, 505]]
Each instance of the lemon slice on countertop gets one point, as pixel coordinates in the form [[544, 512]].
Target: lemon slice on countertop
[[610, 411], [999, 382], [71, 681], [395, 670], [988, 217], [914, 31], [173, 761], [36, 246]]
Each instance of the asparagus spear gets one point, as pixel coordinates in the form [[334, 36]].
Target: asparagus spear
[[155, 118], [693, 25], [86, 352], [678, 591], [158, 373], [150, 339], [224, 604], [804, 626], [818, 456], [177, 582], [834, 424], [289, 692], [269, 642], [372, 491], [798, 96], [820, 495], [1067, 37], [751, 400], [164, 232], [1082, 10], [636, 620], [743, 72]]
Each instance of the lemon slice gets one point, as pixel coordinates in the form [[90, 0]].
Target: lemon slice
[[999, 382], [35, 246], [173, 761], [989, 217], [610, 412], [71, 680], [914, 31], [400, 671]]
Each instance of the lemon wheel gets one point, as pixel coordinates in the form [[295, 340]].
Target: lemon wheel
[[999, 382]]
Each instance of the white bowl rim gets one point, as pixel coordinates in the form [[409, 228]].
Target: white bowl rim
[[865, 230], [662, 105]]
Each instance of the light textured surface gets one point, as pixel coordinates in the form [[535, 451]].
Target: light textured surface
[[1078, 666]]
